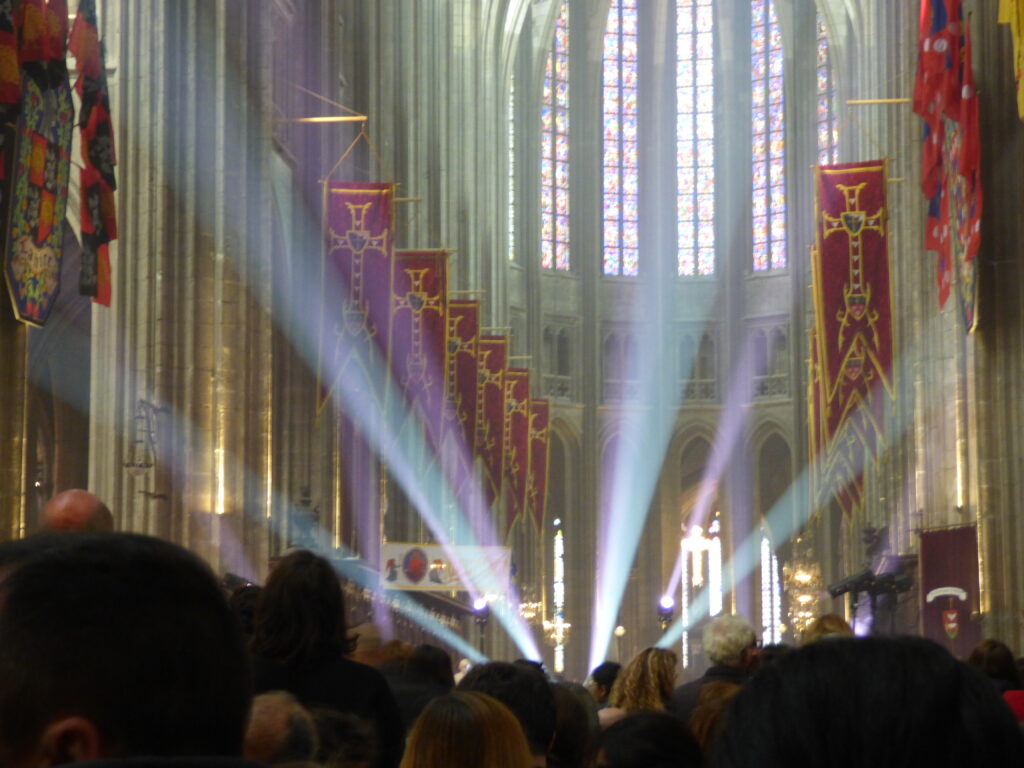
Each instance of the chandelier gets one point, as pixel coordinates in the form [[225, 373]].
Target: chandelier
[[802, 579], [556, 630]]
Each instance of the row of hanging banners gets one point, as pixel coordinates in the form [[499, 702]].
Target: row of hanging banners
[[850, 381], [37, 118], [471, 410]]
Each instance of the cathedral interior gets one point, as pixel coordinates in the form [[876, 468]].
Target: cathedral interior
[[628, 188]]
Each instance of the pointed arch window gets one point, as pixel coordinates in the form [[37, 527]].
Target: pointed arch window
[[554, 165], [621, 178], [695, 137], [769, 141], [828, 130]]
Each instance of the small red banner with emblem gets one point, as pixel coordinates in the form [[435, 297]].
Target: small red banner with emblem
[[950, 588]]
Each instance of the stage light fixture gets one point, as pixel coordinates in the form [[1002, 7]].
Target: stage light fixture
[[666, 610], [858, 582]]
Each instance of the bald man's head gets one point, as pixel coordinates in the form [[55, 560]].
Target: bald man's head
[[77, 510], [280, 730]]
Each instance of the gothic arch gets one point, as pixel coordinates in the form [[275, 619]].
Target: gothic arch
[[767, 426], [563, 353], [774, 462]]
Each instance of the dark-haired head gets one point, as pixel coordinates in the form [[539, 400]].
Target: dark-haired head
[[602, 680], [647, 740], [116, 645], [430, 664], [995, 659], [300, 614], [869, 702], [572, 726], [769, 654], [524, 690], [243, 605]]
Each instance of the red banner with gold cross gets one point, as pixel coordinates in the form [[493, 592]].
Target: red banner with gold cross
[[537, 482], [459, 427], [492, 358], [837, 465], [355, 286], [517, 441], [853, 329]]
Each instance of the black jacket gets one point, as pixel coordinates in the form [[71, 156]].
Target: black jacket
[[684, 698], [342, 685]]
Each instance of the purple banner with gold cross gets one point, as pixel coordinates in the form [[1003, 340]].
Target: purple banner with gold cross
[[517, 442], [492, 357], [419, 331], [537, 486], [460, 411], [355, 290]]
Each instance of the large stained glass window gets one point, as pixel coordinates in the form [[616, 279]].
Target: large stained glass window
[[621, 167], [828, 130], [769, 129], [554, 164], [695, 137]]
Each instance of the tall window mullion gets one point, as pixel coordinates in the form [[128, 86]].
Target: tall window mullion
[[554, 171], [695, 137], [828, 130], [769, 141], [621, 166], [511, 129]]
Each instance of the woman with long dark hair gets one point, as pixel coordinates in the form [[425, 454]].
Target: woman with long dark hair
[[300, 645]]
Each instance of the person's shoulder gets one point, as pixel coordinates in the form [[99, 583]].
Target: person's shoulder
[[356, 670], [685, 688], [609, 716], [724, 674]]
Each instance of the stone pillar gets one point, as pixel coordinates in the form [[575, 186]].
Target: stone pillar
[[13, 424]]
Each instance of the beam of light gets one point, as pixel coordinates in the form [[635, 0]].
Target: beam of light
[[287, 304], [399, 446], [627, 489], [629, 482], [396, 434], [733, 418], [781, 518], [630, 473], [352, 571]]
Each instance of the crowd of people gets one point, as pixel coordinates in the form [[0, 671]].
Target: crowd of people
[[124, 651]]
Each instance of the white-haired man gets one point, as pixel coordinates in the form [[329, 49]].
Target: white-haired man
[[731, 645]]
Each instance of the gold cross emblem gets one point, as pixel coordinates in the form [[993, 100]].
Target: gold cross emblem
[[417, 301], [355, 313], [854, 222]]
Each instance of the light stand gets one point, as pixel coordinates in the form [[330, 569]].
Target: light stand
[[481, 615], [666, 611]]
